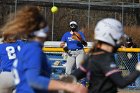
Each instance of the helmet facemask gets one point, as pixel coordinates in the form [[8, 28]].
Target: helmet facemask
[[73, 27]]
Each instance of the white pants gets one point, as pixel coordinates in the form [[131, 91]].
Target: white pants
[[6, 82], [74, 57]]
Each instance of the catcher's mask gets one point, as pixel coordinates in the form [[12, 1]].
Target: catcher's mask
[[73, 26]]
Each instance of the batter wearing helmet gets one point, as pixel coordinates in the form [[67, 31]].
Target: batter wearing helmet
[[99, 65]]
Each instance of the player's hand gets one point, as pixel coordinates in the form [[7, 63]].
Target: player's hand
[[68, 78], [81, 89], [66, 49], [72, 86], [67, 84], [62, 44], [76, 36], [138, 66], [77, 88], [84, 43]]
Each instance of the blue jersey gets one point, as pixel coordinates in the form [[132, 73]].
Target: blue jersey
[[8, 53], [71, 43], [31, 69]]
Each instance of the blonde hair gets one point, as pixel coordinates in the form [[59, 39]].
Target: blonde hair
[[28, 19]]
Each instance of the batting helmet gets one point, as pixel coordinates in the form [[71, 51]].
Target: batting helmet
[[109, 30]]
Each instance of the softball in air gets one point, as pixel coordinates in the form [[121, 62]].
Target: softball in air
[[54, 9]]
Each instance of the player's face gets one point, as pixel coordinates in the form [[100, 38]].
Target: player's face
[[73, 27]]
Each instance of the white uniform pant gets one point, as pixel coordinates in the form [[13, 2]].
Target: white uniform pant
[[74, 57], [6, 82]]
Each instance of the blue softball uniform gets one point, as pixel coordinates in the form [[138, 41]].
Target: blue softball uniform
[[31, 69], [8, 53], [71, 43]]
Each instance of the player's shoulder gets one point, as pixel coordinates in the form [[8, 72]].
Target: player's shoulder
[[33, 45], [20, 41], [67, 33], [7, 44]]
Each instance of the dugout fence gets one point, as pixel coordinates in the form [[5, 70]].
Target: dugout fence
[[126, 59]]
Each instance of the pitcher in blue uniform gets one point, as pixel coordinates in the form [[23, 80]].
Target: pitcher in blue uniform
[[31, 68]]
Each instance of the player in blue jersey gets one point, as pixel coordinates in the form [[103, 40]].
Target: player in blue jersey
[[8, 53], [75, 41], [31, 68], [7, 57]]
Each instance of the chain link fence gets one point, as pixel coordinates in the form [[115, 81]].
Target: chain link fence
[[127, 62], [85, 12]]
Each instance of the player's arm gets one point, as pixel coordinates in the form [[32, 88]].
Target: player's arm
[[122, 82], [39, 82], [32, 66], [44, 83], [63, 40], [111, 71], [35, 80], [79, 37], [62, 44], [70, 87], [83, 39], [65, 48], [58, 85]]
